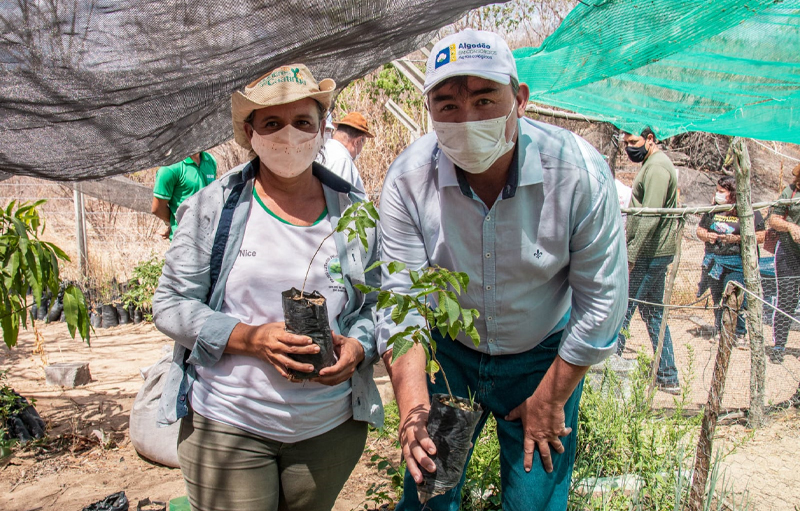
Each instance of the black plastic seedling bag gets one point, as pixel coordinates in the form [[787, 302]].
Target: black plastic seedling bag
[[115, 502], [122, 313], [110, 315], [95, 319], [451, 429], [24, 424], [308, 315], [55, 312]]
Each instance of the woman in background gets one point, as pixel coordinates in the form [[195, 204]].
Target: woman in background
[[786, 220], [723, 260]]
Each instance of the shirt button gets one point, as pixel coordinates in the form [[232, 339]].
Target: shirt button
[[488, 255], [491, 341], [489, 318], [488, 288], [488, 217]]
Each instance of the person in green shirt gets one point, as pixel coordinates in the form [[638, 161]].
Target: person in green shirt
[[651, 248], [177, 182]]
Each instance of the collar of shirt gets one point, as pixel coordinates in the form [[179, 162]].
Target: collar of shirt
[[203, 157], [337, 149], [525, 169]]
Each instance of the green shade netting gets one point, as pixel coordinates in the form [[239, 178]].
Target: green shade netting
[[721, 66]]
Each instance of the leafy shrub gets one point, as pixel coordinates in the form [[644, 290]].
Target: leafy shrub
[[620, 438], [143, 285], [29, 263]]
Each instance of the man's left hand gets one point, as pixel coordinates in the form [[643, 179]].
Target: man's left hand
[[543, 424], [350, 353]]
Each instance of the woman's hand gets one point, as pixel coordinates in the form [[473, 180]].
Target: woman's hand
[[794, 230], [349, 353], [730, 238], [273, 344]]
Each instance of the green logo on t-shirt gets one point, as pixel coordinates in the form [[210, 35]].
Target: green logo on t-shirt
[[333, 270]]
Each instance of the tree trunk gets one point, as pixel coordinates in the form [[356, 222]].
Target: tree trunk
[[702, 463], [752, 281]]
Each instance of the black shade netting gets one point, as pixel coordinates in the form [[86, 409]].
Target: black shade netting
[[95, 88]]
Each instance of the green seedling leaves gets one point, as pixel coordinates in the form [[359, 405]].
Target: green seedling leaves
[[386, 299], [76, 312], [395, 267], [374, 265], [400, 347], [355, 221], [434, 297]]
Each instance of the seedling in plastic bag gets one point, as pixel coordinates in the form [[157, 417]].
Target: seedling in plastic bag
[[452, 420], [435, 299], [307, 313]]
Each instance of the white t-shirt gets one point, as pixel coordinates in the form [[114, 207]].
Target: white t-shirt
[[624, 192], [338, 160], [247, 392]]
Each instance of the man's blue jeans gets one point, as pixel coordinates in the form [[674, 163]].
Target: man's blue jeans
[[646, 283], [501, 383]]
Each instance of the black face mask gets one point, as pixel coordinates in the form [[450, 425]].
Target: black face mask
[[637, 154]]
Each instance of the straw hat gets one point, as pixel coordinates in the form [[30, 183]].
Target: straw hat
[[357, 121], [286, 84]]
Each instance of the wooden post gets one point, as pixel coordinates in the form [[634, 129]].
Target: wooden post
[[752, 281], [732, 301], [80, 232], [667, 300]]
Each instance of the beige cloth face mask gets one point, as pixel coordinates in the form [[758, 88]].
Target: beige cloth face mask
[[288, 152]]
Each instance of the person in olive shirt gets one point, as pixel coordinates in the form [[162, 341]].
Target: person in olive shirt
[[651, 247], [786, 220], [176, 183]]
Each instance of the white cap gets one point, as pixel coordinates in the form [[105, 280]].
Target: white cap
[[470, 53]]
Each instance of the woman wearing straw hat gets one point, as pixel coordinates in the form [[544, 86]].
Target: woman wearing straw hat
[[250, 437]]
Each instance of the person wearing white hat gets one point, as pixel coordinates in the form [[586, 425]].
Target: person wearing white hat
[[530, 212], [253, 438]]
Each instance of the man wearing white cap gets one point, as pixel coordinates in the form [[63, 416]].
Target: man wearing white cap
[[529, 211]]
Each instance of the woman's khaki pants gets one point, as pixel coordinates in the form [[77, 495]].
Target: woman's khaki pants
[[226, 468]]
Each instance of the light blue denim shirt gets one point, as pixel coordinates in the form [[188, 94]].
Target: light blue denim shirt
[[183, 310], [548, 256]]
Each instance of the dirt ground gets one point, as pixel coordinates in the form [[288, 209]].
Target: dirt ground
[[73, 469]]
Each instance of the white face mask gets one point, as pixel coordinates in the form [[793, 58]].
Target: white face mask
[[474, 146], [288, 152], [721, 198]]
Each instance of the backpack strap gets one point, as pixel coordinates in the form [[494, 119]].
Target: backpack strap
[[224, 227]]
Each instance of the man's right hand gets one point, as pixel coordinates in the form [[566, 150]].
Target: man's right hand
[[416, 444], [165, 233]]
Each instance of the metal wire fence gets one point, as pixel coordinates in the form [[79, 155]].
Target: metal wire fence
[[117, 238], [691, 283]]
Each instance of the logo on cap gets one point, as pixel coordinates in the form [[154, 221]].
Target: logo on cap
[[445, 56]]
